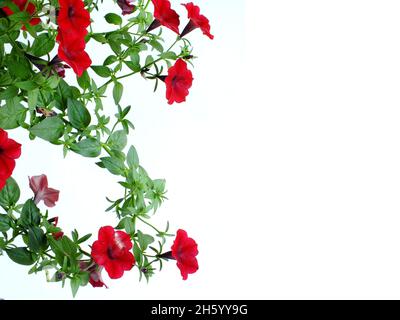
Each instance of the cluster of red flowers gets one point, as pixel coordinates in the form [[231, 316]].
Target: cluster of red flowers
[[10, 150], [23, 5], [179, 79], [73, 19]]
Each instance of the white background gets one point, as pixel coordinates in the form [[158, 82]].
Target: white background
[[283, 164]]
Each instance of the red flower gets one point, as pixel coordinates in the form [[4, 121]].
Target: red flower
[[73, 17], [40, 188], [9, 152], [113, 252], [73, 52], [197, 20], [164, 16], [184, 251], [178, 82], [30, 8], [126, 6]]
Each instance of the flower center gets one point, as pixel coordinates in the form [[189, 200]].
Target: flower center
[[71, 12], [1, 150], [110, 253]]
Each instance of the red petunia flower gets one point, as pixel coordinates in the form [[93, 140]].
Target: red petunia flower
[[73, 53], [197, 20], [178, 82], [40, 188], [10, 150], [126, 6], [184, 251], [73, 17], [113, 252], [164, 16], [22, 5]]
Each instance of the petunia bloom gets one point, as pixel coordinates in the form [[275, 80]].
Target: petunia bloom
[[10, 150], [164, 16], [40, 188], [112, 251], [73, 17], [126, 6], [178, 82], [73, 53], [23, 5], [184, 251], [197, 20]]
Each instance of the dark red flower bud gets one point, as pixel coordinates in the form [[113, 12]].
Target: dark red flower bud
[[126, 6]]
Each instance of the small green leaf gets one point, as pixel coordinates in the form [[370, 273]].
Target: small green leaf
[[84, 80], [10, 194], [114, 165], [144, 240], [78, 115], [50, 129], [75, 284], [12, 114], [102, 71], [21, 256], [113, 18], [8, 93], [118, 140], [30, 215], [132, 158], [89, 147], [117, 92], [37, 241], [42, 45], [5, 223]]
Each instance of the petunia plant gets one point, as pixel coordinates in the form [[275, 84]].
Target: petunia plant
[[43, 45]]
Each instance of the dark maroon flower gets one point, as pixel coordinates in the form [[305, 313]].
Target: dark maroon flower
[[197, 20], [126, 6]]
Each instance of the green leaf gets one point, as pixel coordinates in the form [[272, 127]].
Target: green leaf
[[114, 165], [30, 215], [144, 240], [26, 85], [50, 129], [42, 45], [8, 93], [68, 246], [84, 80], [12, 114], [37, 241], [118, 140], [78, 115], [113, 18], [169, 55], [89, 147], [21, 256], [102, 71], [75, 284], [33, 96], [132, 158], [10, 194], [5, 223], [117, 92]]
